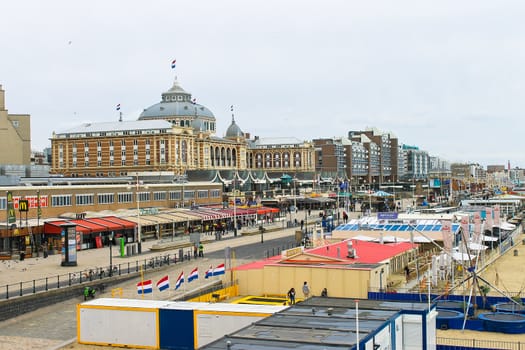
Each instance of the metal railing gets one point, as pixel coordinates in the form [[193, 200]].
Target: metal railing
[[278, 250], [464, 344], [45, 284]]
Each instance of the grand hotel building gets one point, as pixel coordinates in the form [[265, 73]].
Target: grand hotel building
[[178, 136]]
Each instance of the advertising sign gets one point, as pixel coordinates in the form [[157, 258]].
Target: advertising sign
[[32, 201], [69, 245], [476, 238], [446, 230], [465, 229], [11, 217], [389, 215]]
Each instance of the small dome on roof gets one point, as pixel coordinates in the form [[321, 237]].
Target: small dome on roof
[[234, 130]]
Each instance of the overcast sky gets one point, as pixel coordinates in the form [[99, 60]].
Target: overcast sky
[[446, 76]]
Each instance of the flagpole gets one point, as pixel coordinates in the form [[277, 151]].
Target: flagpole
[[357, 323], [142, 281]]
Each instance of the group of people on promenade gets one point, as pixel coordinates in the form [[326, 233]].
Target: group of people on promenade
[[306, 293]]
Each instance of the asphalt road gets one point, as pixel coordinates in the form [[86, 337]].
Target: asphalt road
[[48, 327]]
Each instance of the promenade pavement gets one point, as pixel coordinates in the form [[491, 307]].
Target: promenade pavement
[[54, 326]]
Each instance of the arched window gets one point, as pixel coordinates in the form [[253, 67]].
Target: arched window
[[277, 160], [234, 157], [212, 156], [258, 160], [184, 150], [297, 159], [228, 157], [268, 160], [223, 156], [286, 160], [217, 157]]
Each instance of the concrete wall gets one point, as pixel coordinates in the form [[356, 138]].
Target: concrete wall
[[20, 305]]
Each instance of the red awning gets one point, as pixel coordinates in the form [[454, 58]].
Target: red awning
[[92, 227], [53, 227], [123, 222], [111, 224], [266, 210]]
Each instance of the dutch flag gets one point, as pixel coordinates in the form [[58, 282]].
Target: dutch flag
[[145, 287], [219, 270], [163, 283], [118, 107], [173, 64], [194, 274], [209, 272], [180, 280]]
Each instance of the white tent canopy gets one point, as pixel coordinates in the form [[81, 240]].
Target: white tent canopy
[[462, 256], [394, 239], [364, 238], [421, 239], [489, 238], [476, 246]]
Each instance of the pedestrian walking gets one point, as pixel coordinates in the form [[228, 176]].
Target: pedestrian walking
[[201, 250], [306, 290], [291, 295]]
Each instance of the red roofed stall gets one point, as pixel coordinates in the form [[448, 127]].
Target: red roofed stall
[[91, 232]]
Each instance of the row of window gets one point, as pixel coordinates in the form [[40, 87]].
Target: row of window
[[112, 133], [66, 200]]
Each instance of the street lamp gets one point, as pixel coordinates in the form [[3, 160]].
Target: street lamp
[[181, 180], [139, 226], [234, 206], [111, 254], [294, 201], [370, 198], [381, 280]]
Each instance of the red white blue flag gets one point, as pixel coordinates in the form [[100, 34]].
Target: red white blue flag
[[209, 272], [163, 283], [194, 274], [145, 287], [219, 270], [180, 280], [173, 64]]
